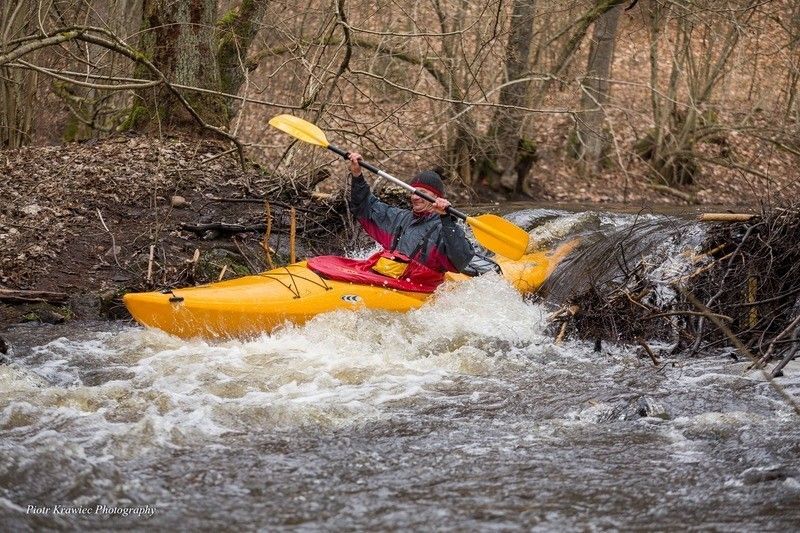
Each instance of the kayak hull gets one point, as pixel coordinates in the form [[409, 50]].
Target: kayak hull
[[252, 305]]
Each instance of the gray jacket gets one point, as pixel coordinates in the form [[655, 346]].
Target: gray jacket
[[436, 241]]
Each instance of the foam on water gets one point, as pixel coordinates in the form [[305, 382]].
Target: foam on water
[[146, 387]]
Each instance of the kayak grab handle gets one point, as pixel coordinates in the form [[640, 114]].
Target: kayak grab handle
[[174, 299]]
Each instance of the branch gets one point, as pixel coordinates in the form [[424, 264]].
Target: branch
[[739, 346], [36, 45], [11, 295]]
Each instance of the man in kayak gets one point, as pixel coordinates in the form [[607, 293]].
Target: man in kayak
[[420, 244]]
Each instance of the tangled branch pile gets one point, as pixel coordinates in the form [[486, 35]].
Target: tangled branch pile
[[744, 290]]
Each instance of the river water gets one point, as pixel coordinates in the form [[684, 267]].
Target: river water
[[461, 415]]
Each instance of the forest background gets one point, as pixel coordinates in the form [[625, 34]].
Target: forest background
[[609, 100]]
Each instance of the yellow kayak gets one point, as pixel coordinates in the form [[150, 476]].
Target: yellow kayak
[[252, 305]]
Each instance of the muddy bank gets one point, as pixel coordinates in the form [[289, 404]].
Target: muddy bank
[[89, 222]]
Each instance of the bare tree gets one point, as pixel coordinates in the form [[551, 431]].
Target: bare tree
[[505, 133], [17, 87], [700, 56], [591, 140]]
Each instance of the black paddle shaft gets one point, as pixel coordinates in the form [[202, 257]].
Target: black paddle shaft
[[422, 194]]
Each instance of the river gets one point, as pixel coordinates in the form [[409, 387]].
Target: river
[[461, 415]]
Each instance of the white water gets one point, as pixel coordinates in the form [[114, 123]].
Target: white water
[[462, 414]]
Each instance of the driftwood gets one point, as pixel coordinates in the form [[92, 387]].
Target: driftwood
[[22, 296], [725, 217]]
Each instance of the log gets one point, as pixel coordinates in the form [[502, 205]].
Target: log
[[13, 295], [724, 217]]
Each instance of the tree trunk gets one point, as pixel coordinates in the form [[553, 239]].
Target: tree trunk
[[591, 141], [178, 37], [792, 103], [462, 143], [17, 87], [239, 27], [505, 132], [571, 47]]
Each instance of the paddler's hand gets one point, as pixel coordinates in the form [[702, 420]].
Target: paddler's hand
[[355, 168], [440, 206]]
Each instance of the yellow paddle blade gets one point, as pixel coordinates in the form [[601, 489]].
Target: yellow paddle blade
[[499, 235], [300, 129]]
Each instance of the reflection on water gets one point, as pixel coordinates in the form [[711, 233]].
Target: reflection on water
[[459, 415]]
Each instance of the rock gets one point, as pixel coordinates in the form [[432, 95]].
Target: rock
[[111, 305], [3, 346], [647, 406], [178, 202]]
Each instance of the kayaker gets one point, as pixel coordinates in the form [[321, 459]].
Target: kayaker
[[419, 244]]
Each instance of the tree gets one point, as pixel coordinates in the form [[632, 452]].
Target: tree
[[191, 47], [17, 87], [701, 51], [504, 136], [591, 140], [187, 69]]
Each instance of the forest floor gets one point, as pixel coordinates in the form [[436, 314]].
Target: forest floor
[[81, 219]]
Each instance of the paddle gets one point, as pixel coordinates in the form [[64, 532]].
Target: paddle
[[495, 233]]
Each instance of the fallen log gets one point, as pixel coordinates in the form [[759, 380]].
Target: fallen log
[[725, 217], [23, 296]]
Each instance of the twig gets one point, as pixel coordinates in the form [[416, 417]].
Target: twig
[[150, 265], [561, 333], [648, 350], [250, 265], [113, 240], [267, 234], [789, 356], [292, 234], [691, 313], [794, 325]]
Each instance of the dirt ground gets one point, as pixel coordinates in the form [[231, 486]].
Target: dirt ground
[[81, 218]]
